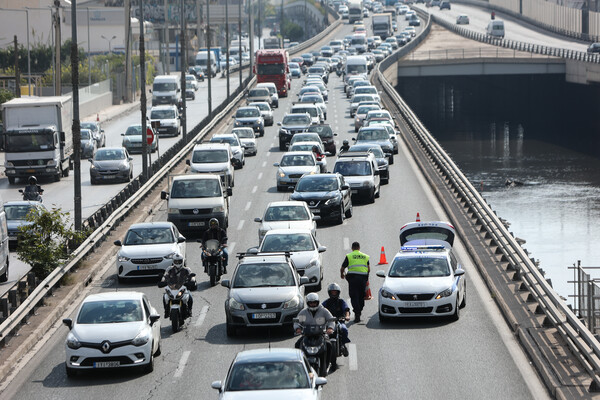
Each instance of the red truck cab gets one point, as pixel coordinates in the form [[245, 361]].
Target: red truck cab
[[272, 66]]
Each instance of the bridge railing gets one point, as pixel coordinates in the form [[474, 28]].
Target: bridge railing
[[578, 337], [586, 296]]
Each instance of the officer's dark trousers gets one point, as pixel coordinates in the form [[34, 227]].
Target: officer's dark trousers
[[357, 285]]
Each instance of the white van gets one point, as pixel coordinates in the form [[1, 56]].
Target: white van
[[495, 28], [4, 256], [194, 199], [356, 65], [213, 158], [166, 89], [202, 62]]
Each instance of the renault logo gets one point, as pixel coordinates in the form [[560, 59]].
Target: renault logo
[[263, 306], [105, 347], [195, 211]]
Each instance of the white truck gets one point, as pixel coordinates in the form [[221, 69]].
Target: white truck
[[202, 61], [37, 138], [382, 25], [355, 12]]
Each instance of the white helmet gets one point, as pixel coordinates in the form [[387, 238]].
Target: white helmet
[[178, 261], [312, 301]]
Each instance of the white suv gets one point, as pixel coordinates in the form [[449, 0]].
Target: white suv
[[361, 172], [213, 158]]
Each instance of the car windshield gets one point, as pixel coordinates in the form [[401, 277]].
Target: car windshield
[[302, 146], [309, 89], [259, 93], [261, 106], [210, 156], [270, 69], [362, 97], [195, 188], [17, 212], [300, 137], [287, 242], [109, 154], [296, 120], [353, 168], [244, 133], [316, 70], [89, 125], [366, 109], [86, 134], [377, 152], [286, 213], [226, 139], [419, 267], [267, 376], [297, 160], [162, 114], [135, 130], [247, 112], [312, 99], [294, 65], [317, 185], [154, 235], [365, 90], [372, 134], [164, 87], [427, 232], [263, 275], [312, 111], [324, 131], [378, 114], [110, 312], [358, 40]]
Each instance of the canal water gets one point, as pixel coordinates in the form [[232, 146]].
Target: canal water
[[538, 131]]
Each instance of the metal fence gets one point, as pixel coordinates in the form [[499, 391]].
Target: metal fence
[[586, 296]]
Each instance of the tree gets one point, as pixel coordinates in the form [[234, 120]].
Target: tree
[[44, 244]]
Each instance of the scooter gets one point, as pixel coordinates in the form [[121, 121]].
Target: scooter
[[177, 297], [314, 345], [214, 260], [32, 195]]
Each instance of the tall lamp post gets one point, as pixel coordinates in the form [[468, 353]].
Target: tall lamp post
[[227, 42], [109, 41], [145, 174], [26, 11], [183, 70], [208, 54], [240, 38]]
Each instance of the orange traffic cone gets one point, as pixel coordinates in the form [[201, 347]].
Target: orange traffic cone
[[382, 259], [418, 218], [368, 295], [97, 117]]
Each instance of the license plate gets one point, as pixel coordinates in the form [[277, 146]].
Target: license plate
[[315, 211], [109, 177], [147, 267], [415, 304], [196, 223], [268, 315], [354, 191], [107, 364], [31, 170]]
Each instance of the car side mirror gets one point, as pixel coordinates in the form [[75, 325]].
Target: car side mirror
[[68, 322], [217, 384], [257, 219], [122, 134], [320, 381], [154, 318], [380, 273], [118, 243], [276, 164], [225, 283], [322, 249], [164, 195], [229, 191], [90, 160], [304, 280], [181, 239], [188, 162], [233, 116], [130, 158], [377, 172], [459, 272], [316, 217], [353, 138]]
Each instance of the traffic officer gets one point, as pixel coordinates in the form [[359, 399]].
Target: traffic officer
[[357, 277]]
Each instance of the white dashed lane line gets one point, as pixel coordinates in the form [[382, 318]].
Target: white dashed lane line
[[182, 363], [352, 357], [231, 248], [201, 317], [240, 225], [346, 243], [264, 164], [260, 175], [254, 189], [248, 205]]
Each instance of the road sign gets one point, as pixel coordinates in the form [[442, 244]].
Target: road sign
[[149, 135]]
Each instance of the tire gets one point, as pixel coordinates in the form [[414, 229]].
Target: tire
[[371, 198], [323, 366], [11, 180], [282, 146], [71, 372], [230, 330], [349, 211], [175, 320], [150, 367], [212, 274], [93, 182], [456, 315], [340, 219], [378, 192], [58, 175], [463, 303], [4, 276], [158, 351], [280, 188], [392, 159]]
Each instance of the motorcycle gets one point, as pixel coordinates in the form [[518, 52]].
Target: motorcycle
[[338, 72], [314, 346], [214, 260], [335, 339], [31, 195], [177, 296]]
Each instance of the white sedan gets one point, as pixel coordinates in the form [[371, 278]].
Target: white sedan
[[113, 330], [267, 374], [287, 214], [422, 281]]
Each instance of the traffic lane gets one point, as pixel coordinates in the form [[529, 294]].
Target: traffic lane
[[516, 29], [16, 270]]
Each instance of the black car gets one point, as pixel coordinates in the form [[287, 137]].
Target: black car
[[594, 48], [292, 124], [309, 59], [327, 195], [88, 143], [326, 134], [111, 164]]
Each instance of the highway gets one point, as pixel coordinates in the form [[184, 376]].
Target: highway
[[474, 358]]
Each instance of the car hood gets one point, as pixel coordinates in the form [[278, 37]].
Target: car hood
[[297, 169], [382, 143], [295, 127], [417, 285], [166, 121], [97, 333], [132, 138], [148, 250], [271, 225], [288, 394], [264, 294], [209, 167], [358, 179], [302, 259], [109, 164], [313, 195], [247, 141]]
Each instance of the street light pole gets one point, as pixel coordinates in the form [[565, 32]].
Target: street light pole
[[57, 41], [227, 42], [145, 174], [208, 51], [240, 38], [89, 53], [76, 126], [183, 70]]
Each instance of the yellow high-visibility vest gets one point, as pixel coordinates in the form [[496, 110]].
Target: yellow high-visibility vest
[[357, 263]]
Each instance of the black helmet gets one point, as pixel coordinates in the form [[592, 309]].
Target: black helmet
[[315, 148], [213, 223], [345, 143], [333, 288], [32, 180]]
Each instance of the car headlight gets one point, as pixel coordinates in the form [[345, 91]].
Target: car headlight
[[124, 167], [283, 131], [142, 338], [92, 166], [387, 295], [173, 211], [446, 293], [333, 200], [236, 151], [237, 123], [218, 209], [281, 173], [292, 303], [123, 259], [234, 305], [72, 341], [170, 255]]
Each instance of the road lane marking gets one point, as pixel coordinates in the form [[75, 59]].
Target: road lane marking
[[352, 359], [248, 204], [264, 164], [231, 248], [259, 176], [240, 225], [346, 243], [182, 363], [200, 319], [254, 189]]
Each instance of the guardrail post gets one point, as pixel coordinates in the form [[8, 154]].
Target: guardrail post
[[4, 308], [31, 282], [22, 288], [12, 298]]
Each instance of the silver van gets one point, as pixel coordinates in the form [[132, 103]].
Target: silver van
[[495, 28]]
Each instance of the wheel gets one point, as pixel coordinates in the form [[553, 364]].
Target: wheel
[[378, 192], [93, 182], [323, 366], [71, 372], [282, 147], [280, 188], [175, 320], [456, 315], [158, 351], [150, 367], [4, 276], [213, 275], [65, 172], [120, 280], [340, 219], [349, 211], [231, 331], [391, 159], [371, 198], [463, 303], [58, 175], [11, 180]]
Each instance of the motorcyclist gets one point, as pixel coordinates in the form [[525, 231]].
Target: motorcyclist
[[178, 273], [318, 155], [345, 146], [316, 314], [339, 309], [493, 14], [216, 233], [33, 190]]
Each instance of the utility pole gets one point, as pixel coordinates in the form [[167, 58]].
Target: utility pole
[[145, 174], [128, 67], [76, 126], [183, 69], [240, 37], [251, 37], [208, 66], [167, 40], [259, 25], [17, 74], [227, 42], [57, 40]]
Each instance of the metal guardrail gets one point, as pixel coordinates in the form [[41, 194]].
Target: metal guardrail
[[460, 54], [114, 211], [581, 341]]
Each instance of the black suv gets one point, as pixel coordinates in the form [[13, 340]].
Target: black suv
[[292, 124], [327, 195], [326, 134]]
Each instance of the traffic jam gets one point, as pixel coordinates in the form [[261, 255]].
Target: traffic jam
[[322, 172]]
